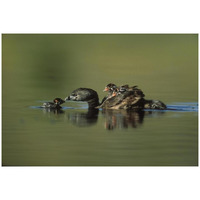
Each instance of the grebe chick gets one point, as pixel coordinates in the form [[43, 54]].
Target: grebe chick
[[54, 105]]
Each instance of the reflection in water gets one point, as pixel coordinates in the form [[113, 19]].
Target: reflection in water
[[120, 119], [84, 119], [53, 114], [52, 110], [114, 119]]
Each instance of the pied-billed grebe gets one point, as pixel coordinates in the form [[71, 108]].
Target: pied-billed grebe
[[114, 91], [85, 94], [154, 104], [135, 97], [128, 100], [134, 90], [122, 97], [123, 88], [110, 87], [54, 105]]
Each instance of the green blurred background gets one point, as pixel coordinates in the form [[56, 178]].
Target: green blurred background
[[162, 65]]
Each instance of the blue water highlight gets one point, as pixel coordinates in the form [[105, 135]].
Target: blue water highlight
[[176, 106], [185, 107]]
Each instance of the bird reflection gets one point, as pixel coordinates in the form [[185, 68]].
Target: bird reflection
[[53, 114], [52, 110], [113, 119], [122, 119], [84, 118]]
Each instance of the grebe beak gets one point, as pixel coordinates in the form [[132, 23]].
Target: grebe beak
[[114, 94], [67, 98], [106, 89]]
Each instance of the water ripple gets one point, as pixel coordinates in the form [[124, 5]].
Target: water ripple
[[183, 106], [177, 106]]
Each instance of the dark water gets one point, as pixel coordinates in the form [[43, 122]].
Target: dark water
[[38, 68]]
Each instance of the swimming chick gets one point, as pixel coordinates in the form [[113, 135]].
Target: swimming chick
[[54, 105]]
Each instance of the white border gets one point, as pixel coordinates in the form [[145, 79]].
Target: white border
[[172, 16]]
